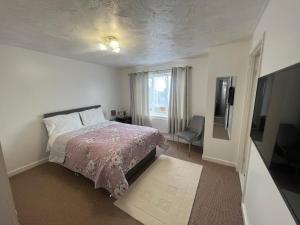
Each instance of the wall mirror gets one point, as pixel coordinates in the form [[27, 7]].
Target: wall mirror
[[224, 103]]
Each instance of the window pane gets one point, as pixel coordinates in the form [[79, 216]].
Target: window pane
[[159, 93]]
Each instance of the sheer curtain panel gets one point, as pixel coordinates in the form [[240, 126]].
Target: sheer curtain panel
[[179, 104], [139, 98]]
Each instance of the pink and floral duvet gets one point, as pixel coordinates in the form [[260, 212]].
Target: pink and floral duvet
[[105, 152]]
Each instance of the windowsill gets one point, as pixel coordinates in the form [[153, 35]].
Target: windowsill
[[159, 117]]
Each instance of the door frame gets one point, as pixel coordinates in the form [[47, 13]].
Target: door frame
[[252, 77]]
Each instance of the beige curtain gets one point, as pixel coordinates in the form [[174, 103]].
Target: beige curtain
[[139, 98], [179, 104]]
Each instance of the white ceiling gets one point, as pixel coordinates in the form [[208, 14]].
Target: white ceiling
[[149, 31]]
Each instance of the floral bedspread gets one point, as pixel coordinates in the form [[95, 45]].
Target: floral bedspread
[[106, 154]]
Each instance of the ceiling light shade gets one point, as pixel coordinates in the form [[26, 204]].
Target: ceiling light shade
[[116, 50], [111, 43], [114, 44], [102, 47]]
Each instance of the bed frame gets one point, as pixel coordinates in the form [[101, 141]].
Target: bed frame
[[133, 171], [71, 111]]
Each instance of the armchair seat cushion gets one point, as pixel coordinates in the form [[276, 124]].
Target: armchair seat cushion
[[187, 135]]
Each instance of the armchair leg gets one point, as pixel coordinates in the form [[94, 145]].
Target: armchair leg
[[177, 141], [189, 149]]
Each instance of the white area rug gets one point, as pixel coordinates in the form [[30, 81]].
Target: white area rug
[[164, 194]]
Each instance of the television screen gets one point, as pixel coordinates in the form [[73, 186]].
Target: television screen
[[275, 131]]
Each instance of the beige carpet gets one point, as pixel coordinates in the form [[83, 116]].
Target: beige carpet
[[50, 194], [164, 194]]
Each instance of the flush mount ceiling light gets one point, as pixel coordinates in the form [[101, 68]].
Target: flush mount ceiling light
[[111, 43]]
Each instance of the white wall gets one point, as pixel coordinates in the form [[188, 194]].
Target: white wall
[[34, 83], [8, 214], [263, 203], [225, 60], [280, 21], [199, 88]]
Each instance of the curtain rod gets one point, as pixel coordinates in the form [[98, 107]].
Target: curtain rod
[[164, 70]]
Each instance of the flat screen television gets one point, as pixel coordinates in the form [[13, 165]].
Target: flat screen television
[[275, 131]]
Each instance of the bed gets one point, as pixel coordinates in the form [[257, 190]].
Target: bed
[[109, 153]]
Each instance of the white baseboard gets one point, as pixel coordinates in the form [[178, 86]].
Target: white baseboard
[[245, 216], [219, 161], [26, 167], [242, 181]]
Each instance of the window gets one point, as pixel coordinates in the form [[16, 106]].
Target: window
[[159, 93]]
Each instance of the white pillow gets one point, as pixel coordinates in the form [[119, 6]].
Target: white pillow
[[63, 123], [92, 116]]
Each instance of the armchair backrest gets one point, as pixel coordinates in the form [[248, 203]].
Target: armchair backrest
[[196, 124]]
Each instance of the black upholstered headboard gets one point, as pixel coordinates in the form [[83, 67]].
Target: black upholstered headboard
[[70, 111]]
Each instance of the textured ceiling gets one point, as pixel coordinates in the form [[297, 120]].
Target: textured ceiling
[[149, 31]]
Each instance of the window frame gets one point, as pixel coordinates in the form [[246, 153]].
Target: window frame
[[160, 73]]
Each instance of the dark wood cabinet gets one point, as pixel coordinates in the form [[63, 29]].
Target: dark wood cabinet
[[126, 119]]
